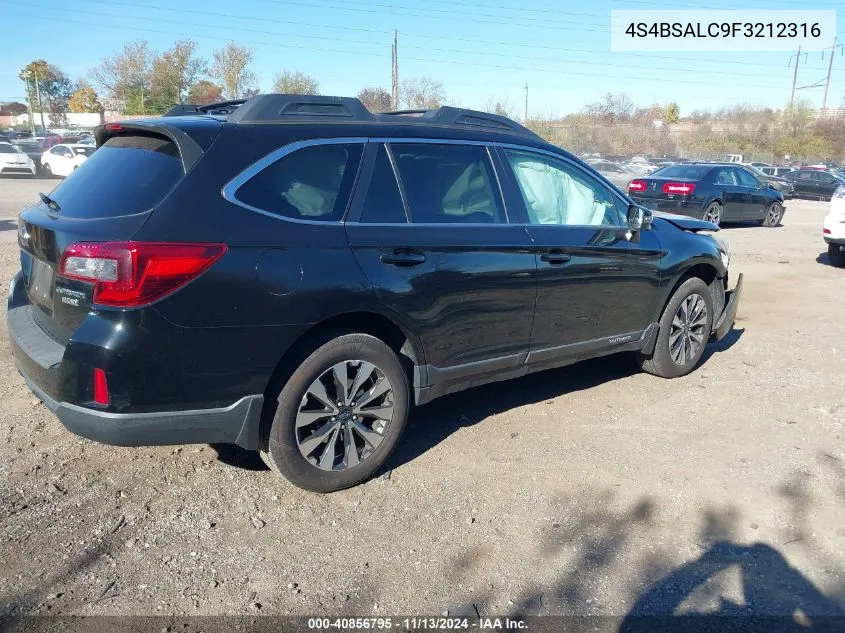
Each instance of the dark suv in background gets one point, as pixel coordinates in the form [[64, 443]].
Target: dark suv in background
[[292, 274]]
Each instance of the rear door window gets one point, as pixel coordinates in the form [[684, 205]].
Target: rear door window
[[724, 176], [313, 183], [448, 184], [127, 175]]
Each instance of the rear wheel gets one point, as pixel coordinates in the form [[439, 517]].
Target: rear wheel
[[48, 171], [836, 255], [339, 415], [685, 328], [713, 213], [774, 214]]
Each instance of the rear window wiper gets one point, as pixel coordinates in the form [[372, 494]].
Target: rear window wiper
[[51, 204]]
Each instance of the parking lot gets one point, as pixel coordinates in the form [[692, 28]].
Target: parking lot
[[593, 489]]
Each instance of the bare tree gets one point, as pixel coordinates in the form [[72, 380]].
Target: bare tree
[[375, 99], [421, 93], [231, 70], [125, 76], [174, 72], [293, 82], [501, 106]]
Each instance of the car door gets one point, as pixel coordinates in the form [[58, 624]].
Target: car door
[[596, 289], [826, 184], [805, 184], [732, 194], [755, 200], [436, 245]]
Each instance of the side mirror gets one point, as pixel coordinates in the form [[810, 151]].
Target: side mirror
[[639, 218], [771, 185]]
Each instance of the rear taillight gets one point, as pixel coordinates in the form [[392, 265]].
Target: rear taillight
[[636, 185], [130, 274], [826, 231], [683, 188]]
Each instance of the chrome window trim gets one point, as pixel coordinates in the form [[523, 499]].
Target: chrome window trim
[[230, 189]]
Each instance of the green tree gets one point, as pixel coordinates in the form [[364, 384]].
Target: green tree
[[204, 92], [51, 85], [231, 69], [173, 73], [125, 77], [375, 99], [672, 114], [84, 99], [293, 82]]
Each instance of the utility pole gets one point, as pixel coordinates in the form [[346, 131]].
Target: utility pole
[[526, 102], [829, 68], [394, 71], [795, 77], [29, 103]]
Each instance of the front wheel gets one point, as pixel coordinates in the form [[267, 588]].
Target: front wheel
[[340, 414], [713, 213], [836, 255], [685, 328], [48, 171], [774, 214]]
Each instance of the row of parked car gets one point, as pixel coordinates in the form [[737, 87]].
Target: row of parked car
[[49, 154]]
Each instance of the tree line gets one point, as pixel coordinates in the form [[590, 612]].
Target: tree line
[[616, 125], [138, 80]]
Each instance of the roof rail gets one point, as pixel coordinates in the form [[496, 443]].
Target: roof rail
[[224, 107], [448, 115], [276, 107]]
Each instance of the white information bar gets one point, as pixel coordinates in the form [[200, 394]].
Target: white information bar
[[716, 30]]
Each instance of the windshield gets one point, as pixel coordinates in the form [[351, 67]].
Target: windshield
[[83, 151], [692, 172], [755, 170], [8, 148]]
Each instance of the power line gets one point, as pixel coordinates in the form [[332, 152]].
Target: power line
[[674, 67], [426, 36], [427, 60]]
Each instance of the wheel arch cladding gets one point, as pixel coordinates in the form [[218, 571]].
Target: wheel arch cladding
[[706, 272], [407, 348]]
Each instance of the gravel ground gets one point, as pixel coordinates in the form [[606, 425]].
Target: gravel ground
[[592, 489]]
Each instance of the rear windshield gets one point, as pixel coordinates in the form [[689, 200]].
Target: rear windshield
[[692, 172], [127, 175]]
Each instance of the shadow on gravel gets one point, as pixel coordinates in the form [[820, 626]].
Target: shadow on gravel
[[233, 455], [597, 543], [431, 424], [824, 259]]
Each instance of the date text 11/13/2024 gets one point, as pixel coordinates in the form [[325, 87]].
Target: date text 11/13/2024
[[417, 624]]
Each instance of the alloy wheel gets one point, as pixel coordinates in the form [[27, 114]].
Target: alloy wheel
[[774, 214], [687, 335], [344, 415], [713, 213]]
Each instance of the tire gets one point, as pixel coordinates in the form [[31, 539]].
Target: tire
[[774, 214], [303, 462], [713, 213], [836, 255], [47, 170], [663, 362]]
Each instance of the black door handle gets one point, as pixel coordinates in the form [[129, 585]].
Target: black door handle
[[402, 258], [555, 257]]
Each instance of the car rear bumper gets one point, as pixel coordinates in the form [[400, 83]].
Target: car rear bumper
[[726, 320], [235, 424], [678, 207], [57, 380]]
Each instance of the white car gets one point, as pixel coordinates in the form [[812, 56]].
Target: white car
[[62, 159], [14, 161], [834, 228]]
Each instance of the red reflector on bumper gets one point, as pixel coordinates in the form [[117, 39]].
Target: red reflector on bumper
[[101, 387]]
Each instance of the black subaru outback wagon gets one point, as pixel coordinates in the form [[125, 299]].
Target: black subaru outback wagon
[[291, 274]]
